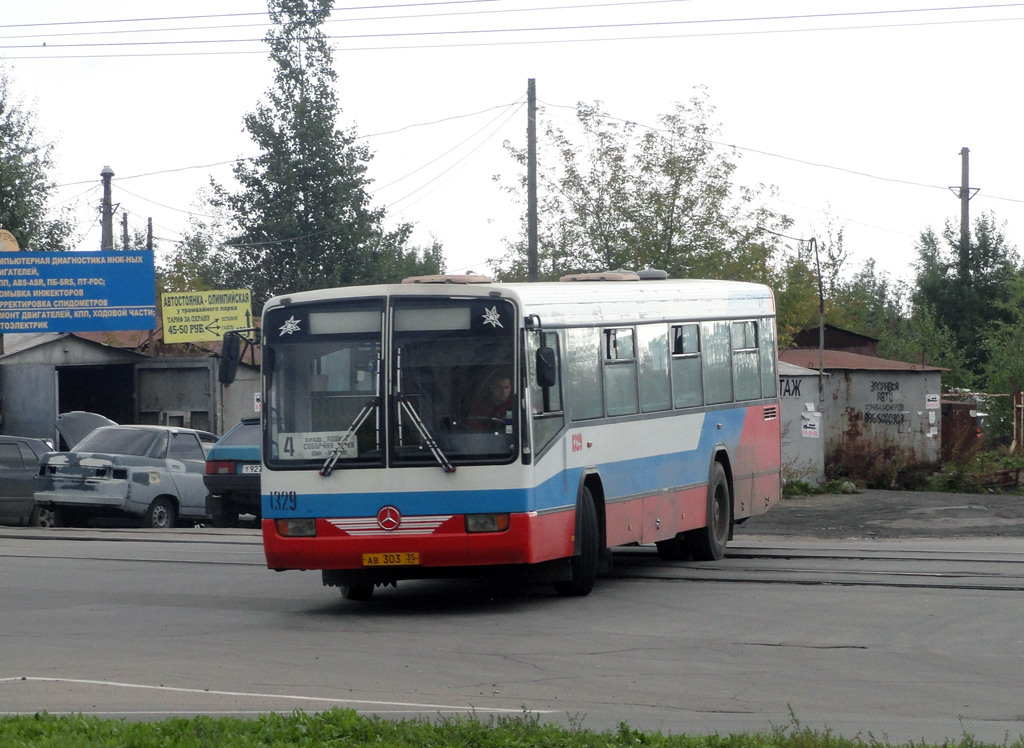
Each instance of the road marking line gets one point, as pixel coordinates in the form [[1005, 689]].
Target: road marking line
[[142, 686]]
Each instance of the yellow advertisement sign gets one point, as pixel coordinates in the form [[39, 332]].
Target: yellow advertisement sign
[[198, 316]]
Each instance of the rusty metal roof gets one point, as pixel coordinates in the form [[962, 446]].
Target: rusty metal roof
[[808, 357]]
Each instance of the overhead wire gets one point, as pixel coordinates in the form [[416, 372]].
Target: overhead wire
[[598, 26], [458, 164], [450, 150], [237, 15], [492, 11], [590, 27], [760, 152]]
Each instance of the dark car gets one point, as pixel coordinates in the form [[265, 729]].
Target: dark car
[[151, 473], [19, 463], [233, 469]]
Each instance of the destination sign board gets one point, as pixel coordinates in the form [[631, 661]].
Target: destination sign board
[[77, 291], [198, 316]]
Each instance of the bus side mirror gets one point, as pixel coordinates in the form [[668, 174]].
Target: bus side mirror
[[230, 355], [546, 371]]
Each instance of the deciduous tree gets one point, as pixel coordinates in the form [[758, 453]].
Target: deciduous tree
[[25, 188], [626, 196]]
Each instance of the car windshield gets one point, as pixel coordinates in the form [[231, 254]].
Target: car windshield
[[125, 441], [247, 434]]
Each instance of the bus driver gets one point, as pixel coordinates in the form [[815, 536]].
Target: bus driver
[[495, 407]]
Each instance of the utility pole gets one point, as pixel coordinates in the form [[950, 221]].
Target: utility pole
[[821, 324], [965, 193], [531, 180], [124, 231], [107, 212]]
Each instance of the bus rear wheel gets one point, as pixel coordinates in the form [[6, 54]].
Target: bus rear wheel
[[708, 543], [584, 566]]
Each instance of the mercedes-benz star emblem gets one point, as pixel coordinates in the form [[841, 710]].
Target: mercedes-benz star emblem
[[389, 518]]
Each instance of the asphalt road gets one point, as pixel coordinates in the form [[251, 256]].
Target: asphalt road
[[893, 515], [906, 639]]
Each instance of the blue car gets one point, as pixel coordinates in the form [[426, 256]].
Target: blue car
[[233, 468]]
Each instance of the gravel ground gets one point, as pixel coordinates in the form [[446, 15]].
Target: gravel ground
[[892, 514]]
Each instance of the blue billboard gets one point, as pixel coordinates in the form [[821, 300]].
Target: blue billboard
[[77, 291]]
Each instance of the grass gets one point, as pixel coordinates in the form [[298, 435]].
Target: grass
[[342, 727], [798, 488]]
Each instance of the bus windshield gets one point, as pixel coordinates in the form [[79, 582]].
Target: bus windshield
[[454, 381], [322, 364], [445, 392]]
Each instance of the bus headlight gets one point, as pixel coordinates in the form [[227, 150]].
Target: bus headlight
[[296, 528], [486, 522]]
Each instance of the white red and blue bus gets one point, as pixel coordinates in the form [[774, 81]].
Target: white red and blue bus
[[643, 411]]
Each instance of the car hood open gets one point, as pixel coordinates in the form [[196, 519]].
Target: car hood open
[[78, 424]]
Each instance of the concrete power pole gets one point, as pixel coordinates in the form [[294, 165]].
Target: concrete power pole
[[965, 193], [107, 212], [531, 180]]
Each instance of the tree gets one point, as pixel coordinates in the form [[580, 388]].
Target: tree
[[966, 291], [302, 217], [654, 198], [1004, 369], [25, 189]]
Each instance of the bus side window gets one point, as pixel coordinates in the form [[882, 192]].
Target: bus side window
[[583, 385], [620, 372], [769, 378], [717, 359], [545, 402], [745, 354], [687, 384], [654, 378]]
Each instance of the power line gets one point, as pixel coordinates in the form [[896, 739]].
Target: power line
[[234, 15], [453, 148], [492, 11], [544, 29], [458, 164], [747, 149]]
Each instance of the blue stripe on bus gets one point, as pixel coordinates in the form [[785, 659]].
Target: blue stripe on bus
[[639, 476]]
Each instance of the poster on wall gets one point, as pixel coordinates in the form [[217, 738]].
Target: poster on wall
[[810, 425]]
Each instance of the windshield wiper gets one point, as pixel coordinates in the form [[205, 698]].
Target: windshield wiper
[[405, 406], [332, 458]]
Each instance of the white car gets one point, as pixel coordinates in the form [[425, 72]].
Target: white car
[[153, 473]]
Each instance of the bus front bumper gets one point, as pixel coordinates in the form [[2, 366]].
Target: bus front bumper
[[449, 550]]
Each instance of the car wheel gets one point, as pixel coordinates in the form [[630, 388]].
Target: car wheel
[[160, 515], [41, 517], [584, 566], [358, 592]]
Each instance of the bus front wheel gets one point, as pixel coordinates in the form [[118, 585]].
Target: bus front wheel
[[584, 565], [708, 543]]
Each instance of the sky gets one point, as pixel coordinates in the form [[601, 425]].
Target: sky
[[854, 111]]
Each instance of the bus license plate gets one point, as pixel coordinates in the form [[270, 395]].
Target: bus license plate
[[391, 559]]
